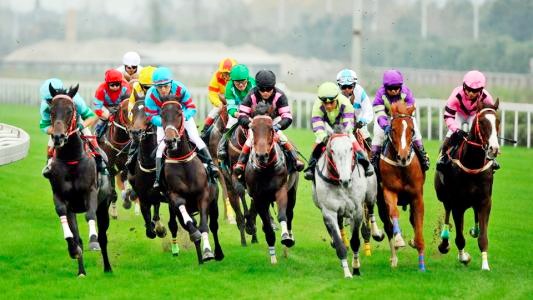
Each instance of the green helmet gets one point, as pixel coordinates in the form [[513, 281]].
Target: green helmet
[[239, 72], [328, 91]]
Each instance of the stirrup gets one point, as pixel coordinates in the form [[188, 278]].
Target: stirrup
[[309, 175]]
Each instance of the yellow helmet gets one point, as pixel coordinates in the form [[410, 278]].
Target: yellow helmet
[[328, 92], [145, 76], [226, 64]]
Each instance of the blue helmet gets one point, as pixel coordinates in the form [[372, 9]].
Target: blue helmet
[[45, 91], [346, 77], [162, 76]]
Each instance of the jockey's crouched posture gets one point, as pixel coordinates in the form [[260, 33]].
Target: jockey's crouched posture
[[332, 108], [266, 92], [164, 85], [109, 94], [393, 90], [461, 108], [85, 119]]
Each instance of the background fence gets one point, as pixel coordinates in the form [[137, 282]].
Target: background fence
[[515, 117]]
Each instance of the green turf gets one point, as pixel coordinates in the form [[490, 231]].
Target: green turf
[[34, 262]]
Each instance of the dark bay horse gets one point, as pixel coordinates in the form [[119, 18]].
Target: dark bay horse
[[187, 186], [268, 181], [469, 182], [402, 183], [115, 142], [142, 176], [74, 181]]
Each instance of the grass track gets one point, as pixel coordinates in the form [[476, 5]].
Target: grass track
[[34, 262]]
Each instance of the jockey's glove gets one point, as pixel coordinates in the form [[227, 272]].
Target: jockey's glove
[[80, 127], [461, 134], [276, 127], [359, 124], [387, 129]]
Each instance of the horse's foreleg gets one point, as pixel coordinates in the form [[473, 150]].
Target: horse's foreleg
[[160, 229], [90, 216], [281, 201], [173, 227], [391, 198], [179, 204], [75, 244], [474, 231], [483, 241], [417, 221], [204, 229], [229, 209], [444, 245], [148, 224], [355, 243], [213, 226], [103, 224], [113, 210], [458, 218], [270, 236], [291, 203], [331, 222]]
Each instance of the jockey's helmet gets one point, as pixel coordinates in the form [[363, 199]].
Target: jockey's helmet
[[392, 78], [328, 92], [45, 90], [162, 76], [239, 72], [346, 77], [131, 59], [474, 80], [225, 65], [145, 76], [113, 75], [265, 79]]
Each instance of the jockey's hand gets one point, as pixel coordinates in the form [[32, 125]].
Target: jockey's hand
[[111, 118], [80, 127], [387, 129], [276, 127], [461, 134], [359, 124], [187, 114]]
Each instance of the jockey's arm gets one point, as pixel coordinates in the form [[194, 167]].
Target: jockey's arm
[[214, 94], [367, 113]]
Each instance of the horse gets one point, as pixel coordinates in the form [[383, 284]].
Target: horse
[[268, 180], [142, 176], [211, 139], [402, 182], [115, 142], [341, 191], [186, 183], [74, 181], [468, 184]]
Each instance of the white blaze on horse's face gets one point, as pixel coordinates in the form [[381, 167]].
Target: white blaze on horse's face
[[403, 139], [494, 146]]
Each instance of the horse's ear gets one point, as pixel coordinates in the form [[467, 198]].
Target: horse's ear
[[497, 103], [72, 91], [53, 91], [480, 105]]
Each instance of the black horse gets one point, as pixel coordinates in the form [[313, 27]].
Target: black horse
[[468, 183], [186, 183], [74, 181]]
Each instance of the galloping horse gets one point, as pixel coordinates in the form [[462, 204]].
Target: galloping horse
[[469, 182], [115, 142], [74, 181], [339, 191], [187, 185], [267, 180], [143, 176], [402, 182]]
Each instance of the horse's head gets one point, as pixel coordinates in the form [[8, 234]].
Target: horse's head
[[263, 137], [63, 114], [340, 156], [139, 119], [173, 121], [402, 130], [485, 128]]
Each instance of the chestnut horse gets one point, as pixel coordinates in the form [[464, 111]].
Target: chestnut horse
[[74, 181], [469, 182], [268, 180], [186, 183], [402, 183]]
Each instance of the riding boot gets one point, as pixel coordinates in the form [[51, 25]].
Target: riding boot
[[222, 151], [376, 153], [47, 170], [205, 157], [240, 166], [361, 158], [205, 131], [368, 141], [158, 168], [100, 157], [132, 155], [298, 164], [423, 154], [309, 172], [100, 128], [444, 159]]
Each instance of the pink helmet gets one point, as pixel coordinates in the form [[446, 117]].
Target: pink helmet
[[474, 80]]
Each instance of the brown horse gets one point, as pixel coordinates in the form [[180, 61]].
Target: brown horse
[[187, 185], [469, 183], [267, 180], [402, 182], [73, 179], [115, 142]]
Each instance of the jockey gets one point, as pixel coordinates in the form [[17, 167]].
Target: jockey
[[393, 90], [461, 108], [216, 92], [85, 119], [266, 92], [347, 81], [332, 108], [131, 66], [109, 94], [237, 88], [164, 85], [139, 88]]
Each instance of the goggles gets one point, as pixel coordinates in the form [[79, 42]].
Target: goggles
[[114, 84], [266, 89]]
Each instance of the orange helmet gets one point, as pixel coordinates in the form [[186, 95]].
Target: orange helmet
[[226, 64]]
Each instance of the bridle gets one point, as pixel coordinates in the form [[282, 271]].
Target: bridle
[[410, 154]]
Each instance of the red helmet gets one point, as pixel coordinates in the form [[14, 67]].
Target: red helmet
[[113, 75], [474, 80]]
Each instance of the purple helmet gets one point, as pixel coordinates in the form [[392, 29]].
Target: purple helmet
[[392, 77]]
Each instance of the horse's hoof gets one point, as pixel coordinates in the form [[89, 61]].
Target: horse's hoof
[[126, 203], [160, 231], [287, 240], [465, 258], [412, 243], [398, 241], [378, 237], [76, 253], [444, 247], [195, 236], [273, 260], [254, 239], [208, 255], [474, 232], [81, 275], [150, 233], [175, 249], [356, 272], [93, 243], [250, 229]]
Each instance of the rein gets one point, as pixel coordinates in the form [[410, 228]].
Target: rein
[[410, 155], [333, 173], [179, 133], [273, 158]]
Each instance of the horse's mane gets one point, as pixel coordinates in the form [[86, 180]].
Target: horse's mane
[[401, 108], [262, 109]]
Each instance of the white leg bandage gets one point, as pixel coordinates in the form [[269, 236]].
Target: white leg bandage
[[205, 241], [185, 214], [66, 229], [92, 228]]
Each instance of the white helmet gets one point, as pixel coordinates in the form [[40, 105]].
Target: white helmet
[[131, 59], [346, 77]]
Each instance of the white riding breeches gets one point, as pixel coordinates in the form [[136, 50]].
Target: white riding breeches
[[231, 121], [192, 132], [462, 123]]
